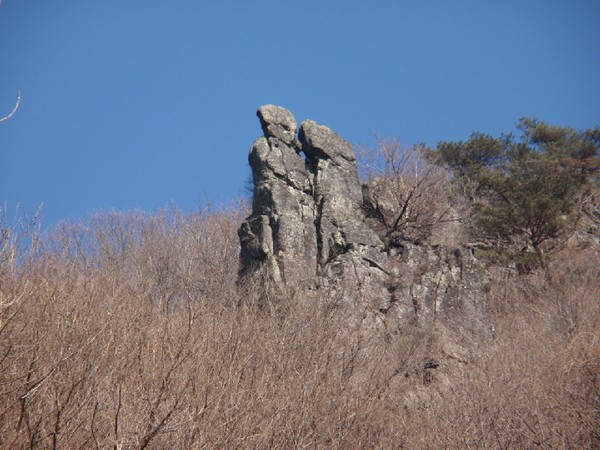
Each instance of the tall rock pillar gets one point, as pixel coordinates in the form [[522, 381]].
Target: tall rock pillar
[[279, 241]]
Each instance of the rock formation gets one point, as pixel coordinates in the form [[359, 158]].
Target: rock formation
[[307, 231]]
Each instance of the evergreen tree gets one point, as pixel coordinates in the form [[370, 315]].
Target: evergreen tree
[[528, 188]]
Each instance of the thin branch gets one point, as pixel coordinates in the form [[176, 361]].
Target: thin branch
[[17, 105]]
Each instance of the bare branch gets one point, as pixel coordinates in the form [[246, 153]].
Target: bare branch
[[16, 106], [403, 191]]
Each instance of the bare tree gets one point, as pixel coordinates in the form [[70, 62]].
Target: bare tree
[[404, 194]]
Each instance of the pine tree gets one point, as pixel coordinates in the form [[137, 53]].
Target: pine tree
[[528, 188]]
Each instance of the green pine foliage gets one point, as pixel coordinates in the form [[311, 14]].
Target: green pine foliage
[[524, 190]]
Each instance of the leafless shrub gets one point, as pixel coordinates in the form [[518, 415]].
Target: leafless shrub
[[127, 331], [14, 233], [538, 386], [404, 194]]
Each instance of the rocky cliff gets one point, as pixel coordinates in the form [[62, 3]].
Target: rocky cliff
[[307, 232]]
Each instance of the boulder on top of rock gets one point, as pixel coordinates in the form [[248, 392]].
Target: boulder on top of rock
[[279, 123]]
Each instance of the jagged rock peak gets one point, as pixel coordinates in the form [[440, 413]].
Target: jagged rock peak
[[278, 122], [278, 240], [306, 219]]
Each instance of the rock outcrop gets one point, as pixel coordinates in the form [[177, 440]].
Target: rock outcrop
[[307, 231], [279, 240]]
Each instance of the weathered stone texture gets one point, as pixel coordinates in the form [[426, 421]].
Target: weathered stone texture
[[307, 228], [282, 222]]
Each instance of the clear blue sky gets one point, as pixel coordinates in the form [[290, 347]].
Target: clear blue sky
[[134, 104]]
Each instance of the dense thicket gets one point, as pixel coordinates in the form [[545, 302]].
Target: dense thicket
[[128, 331]]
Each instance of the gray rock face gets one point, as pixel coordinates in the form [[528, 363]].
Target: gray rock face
[[278, 123], [307, 228], [279, 240]]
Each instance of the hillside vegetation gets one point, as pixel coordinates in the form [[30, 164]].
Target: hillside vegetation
[[128, 330]]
